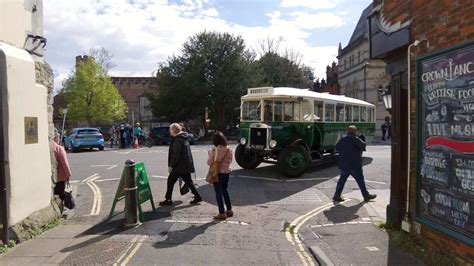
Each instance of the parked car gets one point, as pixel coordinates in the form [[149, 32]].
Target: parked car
[[82, 138], [161, 136]]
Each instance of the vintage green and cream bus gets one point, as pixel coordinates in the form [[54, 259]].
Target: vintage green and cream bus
[[294, 127]]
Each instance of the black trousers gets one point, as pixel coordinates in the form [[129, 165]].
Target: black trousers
[[59, 189], [173, 177]]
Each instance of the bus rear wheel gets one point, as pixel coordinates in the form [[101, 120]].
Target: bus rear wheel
[[247, 159], [293, 160]]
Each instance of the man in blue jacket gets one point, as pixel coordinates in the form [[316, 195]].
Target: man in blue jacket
[[350, 148]]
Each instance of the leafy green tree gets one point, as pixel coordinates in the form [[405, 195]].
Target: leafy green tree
[[212, 72], [282, 71], [91, 96]]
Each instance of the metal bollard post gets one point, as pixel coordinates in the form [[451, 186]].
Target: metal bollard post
[[131, 203]]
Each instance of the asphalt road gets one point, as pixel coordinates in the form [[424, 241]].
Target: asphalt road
[[265, 203]]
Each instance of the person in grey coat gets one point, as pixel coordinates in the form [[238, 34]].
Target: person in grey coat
[[350, 148]]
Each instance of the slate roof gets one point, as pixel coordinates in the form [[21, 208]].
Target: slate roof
[[359, 31]]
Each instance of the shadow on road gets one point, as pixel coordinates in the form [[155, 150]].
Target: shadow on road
[[176, 238], [266, 184], [341, 213], [115, 226]]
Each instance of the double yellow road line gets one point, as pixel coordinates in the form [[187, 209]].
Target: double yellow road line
[[291, 232]]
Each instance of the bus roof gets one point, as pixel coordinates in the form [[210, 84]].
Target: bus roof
[[269, 92]]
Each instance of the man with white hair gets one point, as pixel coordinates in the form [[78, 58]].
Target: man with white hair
[[180, 164], [350, 148]]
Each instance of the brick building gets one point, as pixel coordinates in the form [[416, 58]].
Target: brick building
[[360, 76], [133, 91], [331, 83], [428, 47]]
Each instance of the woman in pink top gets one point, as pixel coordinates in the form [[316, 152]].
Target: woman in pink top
[[224, 157], [63, 170]]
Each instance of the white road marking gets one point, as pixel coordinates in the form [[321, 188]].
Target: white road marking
[[74, 181], [206, 222], [261, 178], [160, 176], [309, 179], [113, 166], [94, 178], [87, 179], [107, 179]]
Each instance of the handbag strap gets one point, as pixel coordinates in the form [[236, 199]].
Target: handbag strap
[[224, 155]]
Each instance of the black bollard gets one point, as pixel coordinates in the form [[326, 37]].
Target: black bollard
[[131, 203]]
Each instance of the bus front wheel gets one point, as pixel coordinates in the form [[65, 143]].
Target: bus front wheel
[[293, 160], [247, 159]]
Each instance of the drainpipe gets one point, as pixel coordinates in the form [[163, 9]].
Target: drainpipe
[[405, 223], [3, 183]]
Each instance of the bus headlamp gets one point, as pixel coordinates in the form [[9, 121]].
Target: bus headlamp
[[243, 141], [273, 143]]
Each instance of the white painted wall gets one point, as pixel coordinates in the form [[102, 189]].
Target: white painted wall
[[28, 167], [14, 10]]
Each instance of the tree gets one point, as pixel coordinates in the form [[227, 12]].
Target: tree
[[280, 70], [91, 96], [103, 58], [213, 71]]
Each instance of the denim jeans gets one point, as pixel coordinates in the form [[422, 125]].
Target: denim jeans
[[222, 193], [358, 175]]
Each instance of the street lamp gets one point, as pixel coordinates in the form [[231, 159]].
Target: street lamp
[[386, 97], [64, 121]]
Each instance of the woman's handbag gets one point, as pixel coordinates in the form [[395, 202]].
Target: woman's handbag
[[213, 173], [68, 200]]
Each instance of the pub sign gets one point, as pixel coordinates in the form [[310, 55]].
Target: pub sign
[[445, 141]]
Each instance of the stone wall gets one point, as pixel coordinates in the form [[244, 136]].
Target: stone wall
[[45, 77]]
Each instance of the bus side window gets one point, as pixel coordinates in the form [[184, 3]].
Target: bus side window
[[355, 114], [292, 111], [340, 112], [348, 113], [268, 111], [278, 111], [307, 112], [363, 114], [318, 111], [329, 112]]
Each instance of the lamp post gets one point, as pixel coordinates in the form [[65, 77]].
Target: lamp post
[[386, 97], [64, 121]]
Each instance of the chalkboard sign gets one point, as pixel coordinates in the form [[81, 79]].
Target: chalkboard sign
[[445, 190]]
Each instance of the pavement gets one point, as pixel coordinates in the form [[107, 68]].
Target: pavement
[[348, 234], [277, 221]]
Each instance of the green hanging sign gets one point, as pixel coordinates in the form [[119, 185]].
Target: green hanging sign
[[143, 190]]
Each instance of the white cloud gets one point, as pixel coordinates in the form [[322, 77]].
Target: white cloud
[[313, 4], [143, 33]]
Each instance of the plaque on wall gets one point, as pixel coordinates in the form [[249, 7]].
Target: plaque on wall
[[445, 137], [31, 130]]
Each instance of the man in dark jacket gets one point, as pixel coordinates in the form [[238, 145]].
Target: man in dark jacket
[[350, 149], [180, 164]]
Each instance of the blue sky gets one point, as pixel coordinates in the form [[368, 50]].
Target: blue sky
[[142, 33]]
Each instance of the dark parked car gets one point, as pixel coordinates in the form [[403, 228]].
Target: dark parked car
[[161, 136]]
